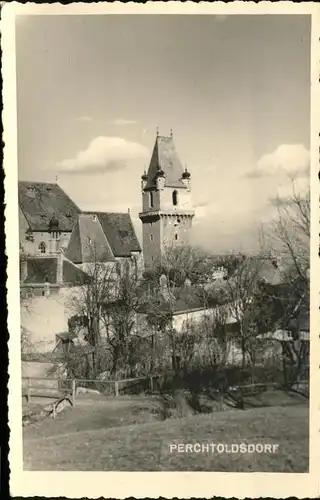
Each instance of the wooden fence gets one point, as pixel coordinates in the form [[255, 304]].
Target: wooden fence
[[55, 388]]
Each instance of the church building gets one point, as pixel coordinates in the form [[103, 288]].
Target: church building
[[166, 202]]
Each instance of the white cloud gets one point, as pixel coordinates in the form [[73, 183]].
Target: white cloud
[[230, 209], [122, 121], [104, 154], [85, 118], [293, 159]]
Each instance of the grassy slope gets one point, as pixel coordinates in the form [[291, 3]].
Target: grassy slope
[[114, 435]]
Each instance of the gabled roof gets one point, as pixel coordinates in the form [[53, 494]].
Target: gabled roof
[[120, 233], [88, 243], [102, 236], [165, 157], [45, 270], [41, 202]]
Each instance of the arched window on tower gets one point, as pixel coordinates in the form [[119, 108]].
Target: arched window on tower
[[42, 247], [151, 199], [175, 197]]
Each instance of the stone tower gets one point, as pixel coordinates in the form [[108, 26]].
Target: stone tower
[[166, 203]]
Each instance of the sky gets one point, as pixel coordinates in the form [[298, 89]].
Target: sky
[[235, 90]]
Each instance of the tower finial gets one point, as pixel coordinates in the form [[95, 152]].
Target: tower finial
[[171, 133], [57, 178], [157, 131]]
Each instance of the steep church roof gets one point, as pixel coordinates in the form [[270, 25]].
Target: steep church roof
[[165, 158], [102, 236], [42, 202]]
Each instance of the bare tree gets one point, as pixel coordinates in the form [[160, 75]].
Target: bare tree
[[291, 231], [216, 337], [183, 262], [106, 307], [88, 302], [241, 289], [119, 317]]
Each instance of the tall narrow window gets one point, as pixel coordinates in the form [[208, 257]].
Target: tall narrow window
[[175, 197], [176, 236], [42, 247], [151, 199]]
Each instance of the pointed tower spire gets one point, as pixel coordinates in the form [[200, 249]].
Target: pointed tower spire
[[171, 133], [166, 197]]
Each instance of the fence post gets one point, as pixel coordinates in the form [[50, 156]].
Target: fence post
[[116, 388], [241, 399], [73, 392], [29, 390], [151, 385]]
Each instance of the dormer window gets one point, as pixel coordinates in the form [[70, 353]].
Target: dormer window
[[94, 218], [42, 247], [175, 198], [54, 229], [29, 235]]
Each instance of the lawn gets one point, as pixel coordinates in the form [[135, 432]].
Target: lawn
[[128, 435]]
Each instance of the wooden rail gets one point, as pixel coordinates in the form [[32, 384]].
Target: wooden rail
[[48, 391]]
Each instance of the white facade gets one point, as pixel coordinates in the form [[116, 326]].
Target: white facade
[[45, 316]]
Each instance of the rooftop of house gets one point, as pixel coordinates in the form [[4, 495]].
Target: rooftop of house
[[263, 269], [102, 237], [182, 299], [42, 202], [165, 158], [43, 269]]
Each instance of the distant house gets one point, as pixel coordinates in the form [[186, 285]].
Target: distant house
[[187, 307], [46, 217], [48, 286]]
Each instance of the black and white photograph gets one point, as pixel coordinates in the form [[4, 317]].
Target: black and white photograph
[[162, 201]]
